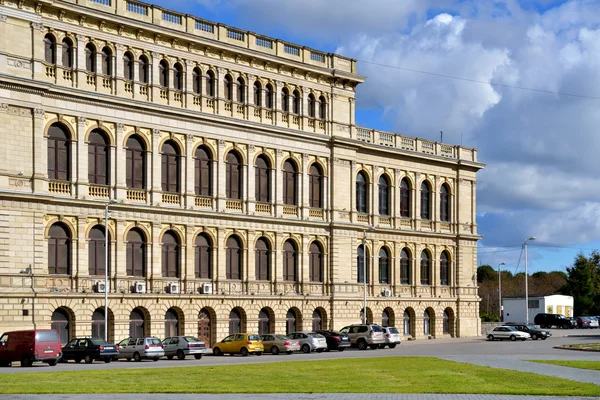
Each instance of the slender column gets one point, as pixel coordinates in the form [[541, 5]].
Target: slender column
[[82, 160], [352, 182], [120, 167], [251, 180], [156, 169], [155, 77], [304, 189], [221, 167], [188, 172], [278, 183], [40, 153], [251, 273]]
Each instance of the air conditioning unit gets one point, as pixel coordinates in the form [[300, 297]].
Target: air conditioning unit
[[207, 288], [174, 288], [139, 287], [387, 293], [100, 287]]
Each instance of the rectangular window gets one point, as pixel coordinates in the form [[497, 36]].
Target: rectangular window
[[172, 18], [534, 304], [293, 50], [137, 8], [101, 2], [205, 26], [318, 57], [235, 35], [262, 42]]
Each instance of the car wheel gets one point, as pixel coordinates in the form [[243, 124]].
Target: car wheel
[[362, 345], [543, 338], [169, 357], [217, 351], [128, 358], [107, 360], [523, 339], [374, 346], [180, 355], [341, 348], [513, 338], [244, 352], [305, 348], [491, 338], [155, 359], [534, 336], [137, 357], [52, 363], [320, 350], [197, 356], [392, 346], [274, 350], [88, 359], [259, 353], [77, 360], [543, 326], [26, 362], [289, 352]]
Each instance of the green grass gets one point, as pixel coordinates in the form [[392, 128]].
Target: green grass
[[583, 346], [593, 365], [371, 375]]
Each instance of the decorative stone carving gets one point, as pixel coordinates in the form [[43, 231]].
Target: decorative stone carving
[[38, 113], [155, 133], [339, 161], [20, 64], [2, 18], [38, 26], [81, 120]]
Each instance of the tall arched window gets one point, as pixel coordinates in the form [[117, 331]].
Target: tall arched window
[[241, 90], [135, 162], [203, 257], [50, 49], [426, 323], [235, 322], [61, 323], [233, 258], [68, 52], [322, 108], [405, 267], [361, 193], [107, 68], [425, 201], [228, 88], [178, 77], [384, 195], [98, 323], [264, 322], [446, 323], [425, 268], [171, 259], [444, 203], [290, 262], [405, 198], [384, 266], [262, 179], [444, 268], [137, 323], [128, 66], [163, 74], [257, 94], [406, 323], [96, 251], [233, 176], [317, 320], [98, 164], [203, 171], [290, 321], [59, 153], [296, 102], [285, 100], [360, 264], [263, 260], [135, 263], [269, 96], [170, 163], [315, 262], [385, 319], [315, 186], [90, 58], [59, 250], [144, 67], [171, 323], [210, 83], [197, 81], [290, 177], [311, 106]]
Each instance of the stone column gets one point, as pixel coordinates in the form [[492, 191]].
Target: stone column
[[396, 198], [40, 153], [373, 209], [304, 189], [154, 77], [190, 260], [222, 170], [251, 180], [120, 167], [251, 269], [416, 202], [188, 173], [304, 265], [220, 261], [82, 160], [353, 212], [119, 69], [278, 183], [189, 83], [38, 32], [155, 166], [155, 259]]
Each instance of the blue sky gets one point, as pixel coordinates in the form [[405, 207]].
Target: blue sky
[[540, 146]]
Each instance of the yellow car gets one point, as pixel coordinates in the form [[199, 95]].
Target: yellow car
[[242, 343]]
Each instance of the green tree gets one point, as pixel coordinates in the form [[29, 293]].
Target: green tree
[[583, 283], [485, 273]]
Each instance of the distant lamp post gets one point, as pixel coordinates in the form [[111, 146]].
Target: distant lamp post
[[500, 291], [108, 203], [370, 228], [526, 278], [29, 271]]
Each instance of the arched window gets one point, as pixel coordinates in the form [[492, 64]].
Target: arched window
[[322, 108], [49, 49], [137, 323], [235, 322], [384, 266], [163, 73], [61, 323], [241, 90], [90, 58], [317, 320], [296, 102], [263, 260], [233, 258], [315, 186], [290, 262], [290, 322], [264, 322], [171, 323], [446, 323], [96, 251], [426, 323], [425, 201], [144, 66], [128, 66], [228, 88], [360, 264], [262, 179], [269, 96], [425, 268], [405, 198], [203, 257], [257, 94], [98, 323], [407, 323], [59, 153], [384, 195], [203, 171], [233, 176], [405, 267], [98, 165], [197, 81], [210, 83], [311, 106], [385, 319], [444, 268], [290, 176], [205, 326], [59, 250], [170, 161], [178, 77], [135, 162], [361, 193], [67, 53], [315, 262], [444, 203], [285, 100], [107, 68], [135, 263], [171, 255]]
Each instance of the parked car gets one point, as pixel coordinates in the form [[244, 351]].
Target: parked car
[[30, 346], [391, 336], [182, 346], [150, 348], [507, 332], [335, 340], [239, 343], [594, 322], [533, 331], [364, 336], [279, 343], [310, 341], [89, 349], [582, 323], [550, 320]]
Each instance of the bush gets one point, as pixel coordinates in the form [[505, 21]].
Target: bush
[[487, 317]]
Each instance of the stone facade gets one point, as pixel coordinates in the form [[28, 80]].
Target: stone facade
[[314, 125]]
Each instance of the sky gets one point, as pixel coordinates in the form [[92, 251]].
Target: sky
[[518, 80]]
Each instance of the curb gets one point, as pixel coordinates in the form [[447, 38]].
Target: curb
[[575, 349]]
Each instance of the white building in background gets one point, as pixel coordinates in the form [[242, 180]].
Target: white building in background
[[514, 308]]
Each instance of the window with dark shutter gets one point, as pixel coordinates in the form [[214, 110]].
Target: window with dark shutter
[[59, 250], [96, 251], [210, 83], [322, 108], [404, 267], [257, 94], [361, 192], [269, 96], [59, 153], [241, 91], [203, 172], [49, 49], [296, 102], [107, 61], [444, 204], [285, 100], [163, 74], [405, 198], [425, 201], [170, 255], [228, 88], [425, 268], [290, 176], [67, 53], [135, 163], [178, 77], [311, 105], [170, 161], [98, 162], [384, 196], [233, 181], [197, 81], [315, 185], [360, 264], [203, 257], [135, 263], [444, 269], [143, 69], [290, 263], [262, 176], [384, 266], [233, 258], [262, 260], [90, 58], [316, 262], [128, 66]]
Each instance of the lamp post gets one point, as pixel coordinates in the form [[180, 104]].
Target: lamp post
[[370, 228], [108, 203], [526, 278], [500, 291], [29, 271]]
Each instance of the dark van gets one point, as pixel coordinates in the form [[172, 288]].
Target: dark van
[[29, 346]]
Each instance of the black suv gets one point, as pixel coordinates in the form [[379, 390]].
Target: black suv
[[89, 349], [550, 320], [335, 340], [533, 331]]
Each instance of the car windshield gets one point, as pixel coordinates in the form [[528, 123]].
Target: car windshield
[[560, 316], [191, 339], [97, 341], [511, 328], [282, 337], [154, 341], [531, 326], [393, 330], [315, 335], [253, 337], [377, 328]]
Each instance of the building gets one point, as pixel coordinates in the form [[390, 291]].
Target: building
[[514, 307], [242, 185]]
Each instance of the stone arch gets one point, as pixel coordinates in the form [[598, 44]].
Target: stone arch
[[409, 323], [243, 320], [208, 146], [97, 326], [242, 238], [319, 163], [143, 138], [271, 322], [102, 129], [432, 321], [411, 181], [174, 326], [449, 322], [209, 234], [428, 182], [92, 225], [317, 240], [62, 123], [266, 237], [180, 235], [265, 154], [294, 320], [64, 322], [139, 326], [72, 229], [176, 139], [207, 325], [323, 323], [295, 162], [147, 232], [240, 153], [295, 241], [387, 175], [388, 313]]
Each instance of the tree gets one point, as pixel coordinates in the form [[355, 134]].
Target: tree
[[485, 273], [583, 283]]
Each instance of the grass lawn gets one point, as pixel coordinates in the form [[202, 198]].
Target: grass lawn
[[594, 365], [582, 346], [370, 375]]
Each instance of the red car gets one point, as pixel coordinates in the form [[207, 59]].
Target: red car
[[29, 346]]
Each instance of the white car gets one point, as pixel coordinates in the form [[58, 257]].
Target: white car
[[310, 341], [507, 332], [391, 336], [182, 346]]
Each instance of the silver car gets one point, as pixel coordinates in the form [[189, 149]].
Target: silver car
[[310, 341], [391, 337], [279, 343], [182, 346], [141, 348], [507, 332], [365, 336]]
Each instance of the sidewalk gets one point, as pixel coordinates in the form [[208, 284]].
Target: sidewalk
[[295, 396]]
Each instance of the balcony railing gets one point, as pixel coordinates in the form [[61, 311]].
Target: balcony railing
[[385, 220], [204, 202], [171, 198], [102, 192], [316, 213], [290, 211], [58, 187], [234, 205], [263, 208], [363, 218], [136, 195]]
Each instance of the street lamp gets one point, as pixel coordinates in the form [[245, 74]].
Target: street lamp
[[29, 271], [500, 291], [526, 286], [370, 228], [108, 203]]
